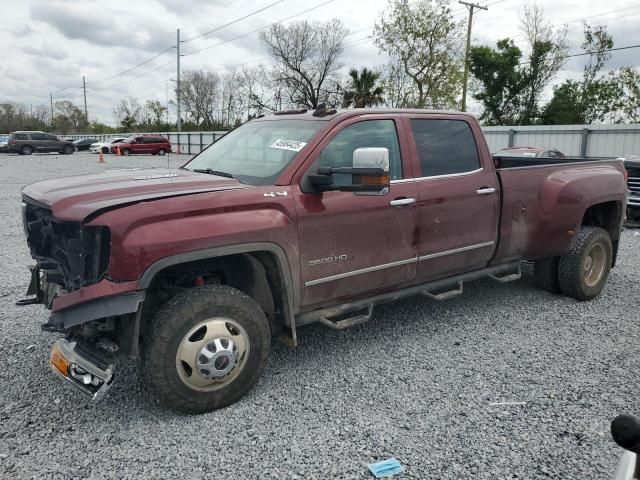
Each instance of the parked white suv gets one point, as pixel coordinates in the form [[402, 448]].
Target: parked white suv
[[105, 146]]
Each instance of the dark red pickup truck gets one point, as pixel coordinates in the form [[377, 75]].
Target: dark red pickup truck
[[295, 218]]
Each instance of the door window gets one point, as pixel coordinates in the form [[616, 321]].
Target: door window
[[445, 147], [48, 136], [369, 133], [38, 136]]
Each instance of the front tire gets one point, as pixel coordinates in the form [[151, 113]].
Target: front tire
[[162, 151], [105, 150], [126, 152], [206, 348], [584, 269]]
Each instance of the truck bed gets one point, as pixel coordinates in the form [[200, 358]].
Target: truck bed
[[542, 202]]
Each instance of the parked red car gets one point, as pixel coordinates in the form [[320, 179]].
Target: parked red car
[[153, 144]]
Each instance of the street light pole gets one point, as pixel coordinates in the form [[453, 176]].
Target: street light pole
[[471, 7]]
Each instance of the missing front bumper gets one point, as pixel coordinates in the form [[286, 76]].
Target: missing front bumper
[[81, 367]]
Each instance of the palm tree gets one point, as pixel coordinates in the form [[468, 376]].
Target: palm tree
[[362, 91]]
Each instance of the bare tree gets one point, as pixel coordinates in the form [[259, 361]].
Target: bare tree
[[307, 60], [423, 37], [256, 91], [127, 113], [233, 102], [547, 55], [68, 117], [199, 96], [398, 86]]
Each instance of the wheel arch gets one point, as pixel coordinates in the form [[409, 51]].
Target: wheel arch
[[259, 269], [608, 216]]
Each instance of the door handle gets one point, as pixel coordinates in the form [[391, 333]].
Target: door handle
[[485, 190], [400, 202]]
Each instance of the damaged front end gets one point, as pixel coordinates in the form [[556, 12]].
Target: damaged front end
[[71, 256]]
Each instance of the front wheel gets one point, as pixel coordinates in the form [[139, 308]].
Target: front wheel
[[206, 348], [162, 151], [584, 269], [105, 150], [126, 152]]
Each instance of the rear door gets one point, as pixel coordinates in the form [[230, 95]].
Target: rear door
[[39, 142], [52, 144], [350, 244], [459, 197]]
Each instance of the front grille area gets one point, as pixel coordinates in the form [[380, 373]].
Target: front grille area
[[634, 186], [70, 255]]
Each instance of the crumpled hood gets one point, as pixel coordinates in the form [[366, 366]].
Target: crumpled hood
[[75, 198]]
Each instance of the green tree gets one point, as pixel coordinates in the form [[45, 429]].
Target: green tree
[[423, 37], [596, 97], [628, 82], [501, 82], [363, 89]]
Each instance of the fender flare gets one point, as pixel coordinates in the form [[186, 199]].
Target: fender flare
[[290, 293]]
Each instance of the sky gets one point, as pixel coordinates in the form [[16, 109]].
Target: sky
[[48, 45]]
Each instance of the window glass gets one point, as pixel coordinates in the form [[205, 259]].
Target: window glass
[[445, 147], [369, 133], [38, 136], [21, 136], [258, 151], [48, 136]]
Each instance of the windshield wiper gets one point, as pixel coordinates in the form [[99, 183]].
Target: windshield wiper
[[209, 171]]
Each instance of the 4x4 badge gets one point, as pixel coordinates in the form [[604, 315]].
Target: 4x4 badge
[[275, 194]]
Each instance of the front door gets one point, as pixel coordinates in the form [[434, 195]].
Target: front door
[[350, 244], [459, 197]]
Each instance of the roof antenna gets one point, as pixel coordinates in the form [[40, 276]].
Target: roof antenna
[[322, 110]]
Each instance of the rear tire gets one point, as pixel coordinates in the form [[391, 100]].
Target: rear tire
[[181, 336], [126, 152], [68, 150], [584, 269], [26, 150], [545, 273]]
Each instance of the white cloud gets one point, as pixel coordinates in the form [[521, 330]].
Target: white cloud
[[53, 43]]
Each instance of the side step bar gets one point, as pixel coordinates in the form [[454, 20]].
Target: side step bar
[[508, 277], [325, 315], [445, 295], [338, 323]]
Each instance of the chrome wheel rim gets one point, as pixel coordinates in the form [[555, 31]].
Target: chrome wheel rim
[[594, 265], [212, 354]]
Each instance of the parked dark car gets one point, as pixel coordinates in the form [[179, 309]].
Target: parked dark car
[[632, 165], [28, 142], [153, 144], [530, 152], [84, 143]]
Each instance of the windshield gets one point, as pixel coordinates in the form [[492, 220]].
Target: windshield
[[257, 152]]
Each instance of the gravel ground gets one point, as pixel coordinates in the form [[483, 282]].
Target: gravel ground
[[416, 383]]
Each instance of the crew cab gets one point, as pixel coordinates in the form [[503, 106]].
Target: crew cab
[[153, 144], [295, 218]]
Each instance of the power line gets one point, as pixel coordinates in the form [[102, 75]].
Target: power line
[[233, 22], [593, 52], [258, 29], [143, 74], [138, 65]]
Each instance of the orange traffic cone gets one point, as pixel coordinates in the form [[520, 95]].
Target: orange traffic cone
[[118, 151], [101, 157]]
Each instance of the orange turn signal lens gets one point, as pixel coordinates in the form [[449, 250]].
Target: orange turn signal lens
[[58, 361], [374, 180]]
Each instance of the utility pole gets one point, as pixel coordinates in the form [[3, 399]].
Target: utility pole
[[179, 122], [471, 7], [51, 98], [166, 92], [84, 88]]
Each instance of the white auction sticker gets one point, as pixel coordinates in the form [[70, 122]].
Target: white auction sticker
[[284, 144]]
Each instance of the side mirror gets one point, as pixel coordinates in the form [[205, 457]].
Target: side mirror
[[369, 173]]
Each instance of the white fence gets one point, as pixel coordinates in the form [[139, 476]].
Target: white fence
[[572, 140]]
